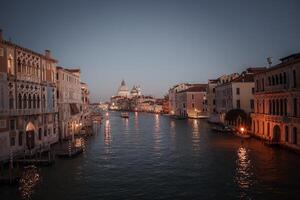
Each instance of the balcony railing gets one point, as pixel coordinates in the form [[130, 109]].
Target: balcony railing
[[277, 118], [18, 112]]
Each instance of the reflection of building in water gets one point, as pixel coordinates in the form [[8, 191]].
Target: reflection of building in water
[[243, 175], [136, 120], [195, 127], [107, 132], [29, 181]]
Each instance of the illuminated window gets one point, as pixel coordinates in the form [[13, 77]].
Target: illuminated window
[[10, 64]]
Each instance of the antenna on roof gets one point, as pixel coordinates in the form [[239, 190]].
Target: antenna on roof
[[269, 60]]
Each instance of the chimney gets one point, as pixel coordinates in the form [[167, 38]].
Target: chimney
[[1, 36], [269, 60], [48, 53]]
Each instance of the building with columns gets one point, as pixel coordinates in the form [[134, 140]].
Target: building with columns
[[276, 117], [28, 111]]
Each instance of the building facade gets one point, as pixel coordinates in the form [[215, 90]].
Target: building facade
[[69, 95], [172, 96], [236, 93], [192, 102], [85, 101], [28, 104], [277, 103]]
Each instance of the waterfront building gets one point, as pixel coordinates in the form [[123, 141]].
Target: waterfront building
[[172, 95], [69, 96], [165, 105], [236, 92], [28, 104], [276, 116], [85, 101], [211, 99], [192, 102]]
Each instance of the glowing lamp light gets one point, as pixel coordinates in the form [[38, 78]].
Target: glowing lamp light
[[242, 129]]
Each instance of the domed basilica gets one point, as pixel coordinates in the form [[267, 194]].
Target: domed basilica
[[124, 92]]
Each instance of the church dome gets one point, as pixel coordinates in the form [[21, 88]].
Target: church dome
[[123, 90]]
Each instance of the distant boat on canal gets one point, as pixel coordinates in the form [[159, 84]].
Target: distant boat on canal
[[124, 115]]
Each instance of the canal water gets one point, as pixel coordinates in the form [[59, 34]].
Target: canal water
[[149, 156]]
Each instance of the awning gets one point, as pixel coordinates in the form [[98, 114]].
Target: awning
[[74, 109]]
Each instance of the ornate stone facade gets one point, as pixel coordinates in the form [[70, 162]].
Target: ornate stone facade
[[277, 103], [28, 111]]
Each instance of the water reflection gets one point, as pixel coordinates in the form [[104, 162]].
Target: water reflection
[[243, 170], [157, 136], [136, 120], [125, 122], [107, 132], [195, 135], [195, 128], [28, 182]]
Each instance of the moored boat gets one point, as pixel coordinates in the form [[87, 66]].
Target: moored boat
[[224, 129], [242, 133]]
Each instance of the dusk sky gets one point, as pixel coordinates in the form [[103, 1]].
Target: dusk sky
[[154, 43]]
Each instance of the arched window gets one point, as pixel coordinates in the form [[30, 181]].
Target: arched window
[[34, 102], [277, 79], [277, 107], [38, 102], [273, 107], [284, 78], [295, 136], [24, 101], [273, 80], [270, 107], [286, 133], [285, 107], [280, 78], [268, 129], [43, 101], [281, 106], [29, 101], [40, 134], [20, 101], [19, 66], [11, 101]]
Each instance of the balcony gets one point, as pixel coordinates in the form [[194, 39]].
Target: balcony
[[277, 118], [20, 112]]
